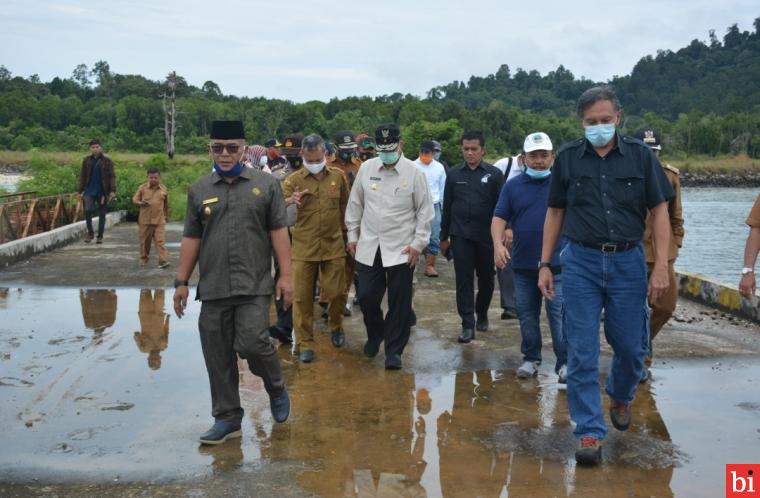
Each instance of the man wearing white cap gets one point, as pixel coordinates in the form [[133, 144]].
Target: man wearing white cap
[[523, 203]]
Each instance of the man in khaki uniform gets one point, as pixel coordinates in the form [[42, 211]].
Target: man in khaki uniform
[[347, 161], [320, 194], [662, 308], [153, 199], [748, 284]]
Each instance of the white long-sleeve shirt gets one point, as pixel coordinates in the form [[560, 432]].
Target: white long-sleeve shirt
[[435, 174], [390, 209]]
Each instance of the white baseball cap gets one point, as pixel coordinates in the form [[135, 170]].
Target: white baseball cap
[[537, 141]]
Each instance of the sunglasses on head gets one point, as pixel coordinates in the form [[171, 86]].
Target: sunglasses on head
[[231, 148]]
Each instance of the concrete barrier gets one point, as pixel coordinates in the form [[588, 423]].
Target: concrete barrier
[[725, 297], [19, 250]]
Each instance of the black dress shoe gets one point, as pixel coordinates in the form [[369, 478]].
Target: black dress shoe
[[393, 362], [220, 432], [281, 334], [338, 338], [482, 324], [508, 315], [467, 336], [325, 314], [306, 356], [370, 349], [413, 319], [280, 406]]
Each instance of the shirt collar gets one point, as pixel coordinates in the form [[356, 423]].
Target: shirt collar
[[620, 145], [245, 173], [465, 166], [396, 168]]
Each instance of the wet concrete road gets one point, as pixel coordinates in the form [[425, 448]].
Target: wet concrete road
[[103, 393]]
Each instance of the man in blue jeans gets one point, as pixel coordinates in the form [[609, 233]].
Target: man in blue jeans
[[601, 189], [522, 204], [435, 175]]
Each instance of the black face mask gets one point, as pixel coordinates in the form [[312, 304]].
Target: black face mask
[[345, 155], [365, 156], [295, 162]]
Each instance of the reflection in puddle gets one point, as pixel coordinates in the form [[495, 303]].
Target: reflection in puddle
[[355, 428]]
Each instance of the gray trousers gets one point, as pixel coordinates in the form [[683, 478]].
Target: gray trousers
[[237, 326], [507, 288]]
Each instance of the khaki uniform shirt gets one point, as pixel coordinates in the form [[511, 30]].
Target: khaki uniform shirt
[[676, 220], [389, 209], [349, 170], [234, 220], [754, 215], [318, 231], [157, 210]]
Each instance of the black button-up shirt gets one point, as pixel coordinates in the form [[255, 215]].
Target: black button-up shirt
[[469, 198], [606, 198], [234, 220]]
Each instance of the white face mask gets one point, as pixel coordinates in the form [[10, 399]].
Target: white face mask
[[315, 168]]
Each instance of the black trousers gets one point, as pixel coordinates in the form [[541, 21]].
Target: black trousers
[[394, 329], [284, 316], [473, 257], [507, 288], [92, 204]]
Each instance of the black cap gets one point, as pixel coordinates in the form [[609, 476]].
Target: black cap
[[227, 130], [427, 146], [649, 137], [387, 137], [344, 139], [436, 145], [291, 144], [272, 142]]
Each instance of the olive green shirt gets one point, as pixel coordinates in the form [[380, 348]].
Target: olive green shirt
[[233, 221], [318, 231]]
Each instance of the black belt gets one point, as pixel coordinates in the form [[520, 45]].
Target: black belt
[[610, 246]]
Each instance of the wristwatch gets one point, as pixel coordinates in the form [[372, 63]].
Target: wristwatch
[[544, 264], [747, 269], [180, 283]]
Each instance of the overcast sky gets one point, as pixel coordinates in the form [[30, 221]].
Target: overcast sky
[[301, 50]]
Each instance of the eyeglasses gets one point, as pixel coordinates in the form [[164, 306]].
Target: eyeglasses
[[231, 148]]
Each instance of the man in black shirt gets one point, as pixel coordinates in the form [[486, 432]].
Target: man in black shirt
[[602, 187], [470, 195]]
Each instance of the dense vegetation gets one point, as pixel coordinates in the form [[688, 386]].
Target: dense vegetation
[[704, 97]]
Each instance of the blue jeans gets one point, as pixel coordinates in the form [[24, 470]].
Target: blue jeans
[[617, 282], [528, 302], [435, 234]]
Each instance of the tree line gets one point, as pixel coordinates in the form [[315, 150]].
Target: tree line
[[705, 98]]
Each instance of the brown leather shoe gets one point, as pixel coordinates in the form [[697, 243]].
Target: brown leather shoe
[[430, 266]]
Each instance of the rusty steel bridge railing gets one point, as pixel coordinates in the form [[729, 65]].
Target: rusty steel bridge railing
[[23, 214]]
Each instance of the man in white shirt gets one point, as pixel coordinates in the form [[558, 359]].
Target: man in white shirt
[[436, 180], [388, 219], [511, 167]]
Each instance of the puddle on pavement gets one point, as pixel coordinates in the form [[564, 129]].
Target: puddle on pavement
[[103, 384]]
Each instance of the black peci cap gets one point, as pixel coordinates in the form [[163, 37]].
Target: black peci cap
[[227, 130], [387, 137], [649, 137]]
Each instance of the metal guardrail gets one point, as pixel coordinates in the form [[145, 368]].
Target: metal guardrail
[[29, 216]]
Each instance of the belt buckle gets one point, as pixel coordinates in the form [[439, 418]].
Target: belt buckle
[[608, 247]]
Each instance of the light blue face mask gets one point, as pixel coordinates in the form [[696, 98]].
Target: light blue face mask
[[389, 157], [537, 174], [600, 135]]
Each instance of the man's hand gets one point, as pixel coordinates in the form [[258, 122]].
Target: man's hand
[[546, 283], [747, 285], [444, 246], [500, 255], [351, 249], [297, 195], [413, 256], [508, 236], [284, 290], [658, 283], [180, 300]]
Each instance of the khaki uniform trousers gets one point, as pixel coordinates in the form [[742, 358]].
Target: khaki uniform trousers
[[149, 233], [663, 309], [332, 280]]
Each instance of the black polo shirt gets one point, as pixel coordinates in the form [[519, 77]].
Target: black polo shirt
[[469, 198], [606, 198]]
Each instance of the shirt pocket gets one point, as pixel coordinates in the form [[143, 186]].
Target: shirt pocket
[[628, 188], [580, 191]]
